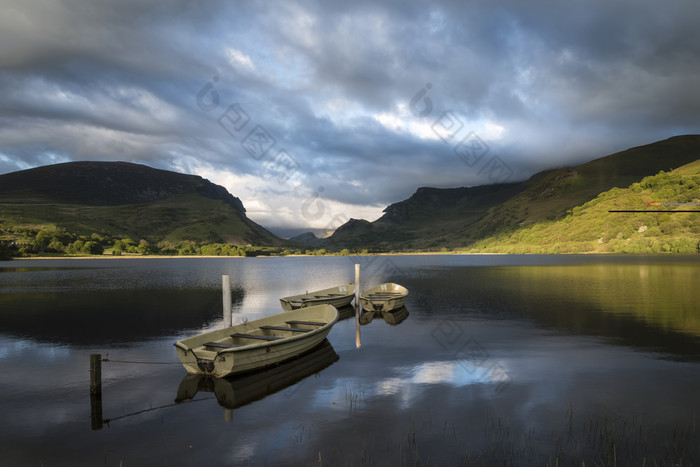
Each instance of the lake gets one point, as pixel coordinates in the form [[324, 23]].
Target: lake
[[503, 359]]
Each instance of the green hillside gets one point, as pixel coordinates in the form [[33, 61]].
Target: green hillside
[[106, 201], [561, 190], [591, 227]]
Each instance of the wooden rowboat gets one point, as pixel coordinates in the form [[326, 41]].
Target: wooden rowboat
[[339, 296], [256, 344], [384, 297]]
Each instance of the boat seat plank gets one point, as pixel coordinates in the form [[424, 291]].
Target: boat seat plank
[[284, 328], [220, 345], [312, 323], [256, 336]]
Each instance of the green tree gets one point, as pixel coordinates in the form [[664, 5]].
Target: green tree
[[57, 246], [42, 239], [145, 248], [76, 247], [93, 248], [229, 250], [250, 251], [167, 248], [125, 244], [187, 247], [211, 249], [27, 250], [5, 251], [684, 245], [95, 237]]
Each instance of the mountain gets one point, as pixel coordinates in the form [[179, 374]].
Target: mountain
[[425, 219], [308, 239], [458, 217], [122, 199], [108, 184]]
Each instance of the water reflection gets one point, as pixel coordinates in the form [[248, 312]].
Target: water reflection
[[640, 306], [505, 360], [93, 317], [234, 392], [649, 307], [346, 312], [392, 317]]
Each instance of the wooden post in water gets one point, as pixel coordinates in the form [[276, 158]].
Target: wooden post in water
[[226, 293], [357, 286], [358, 307], [96, 374], [96, 390]]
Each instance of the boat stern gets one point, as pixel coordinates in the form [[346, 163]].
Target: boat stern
[[211, 364]]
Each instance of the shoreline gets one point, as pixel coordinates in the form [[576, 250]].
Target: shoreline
[[125, 257]]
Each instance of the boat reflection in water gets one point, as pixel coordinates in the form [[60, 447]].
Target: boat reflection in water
[[346, 312], [236, 391], [392, 317]]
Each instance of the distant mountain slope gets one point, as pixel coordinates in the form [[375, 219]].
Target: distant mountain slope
[[308, 239], [455, 218], [561, 190], [127, 200], [423, 220], [108, 184], [591, 227]]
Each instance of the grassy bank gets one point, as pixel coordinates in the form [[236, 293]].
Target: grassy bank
[[599, 226]]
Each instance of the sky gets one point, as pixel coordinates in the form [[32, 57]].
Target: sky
[[314, 112]]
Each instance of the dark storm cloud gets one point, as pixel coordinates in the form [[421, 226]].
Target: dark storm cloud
[[543, 84]]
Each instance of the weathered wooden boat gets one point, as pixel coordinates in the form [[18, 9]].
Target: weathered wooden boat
[[339, 297], [256, 344], [238, 390], [384, 297]]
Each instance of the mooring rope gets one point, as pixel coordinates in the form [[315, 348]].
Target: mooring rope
[[142, 362], [109, 420]]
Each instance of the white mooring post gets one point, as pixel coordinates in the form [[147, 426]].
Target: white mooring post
[[357, 286], [226, 294], [358, 307]]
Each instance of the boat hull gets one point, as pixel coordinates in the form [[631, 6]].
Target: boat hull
[[198, 358], [337, 296]]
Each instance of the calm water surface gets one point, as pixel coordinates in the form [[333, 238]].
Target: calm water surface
[[515, 360]]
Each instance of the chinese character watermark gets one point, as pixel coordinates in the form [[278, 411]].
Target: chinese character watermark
[[471, 149], [254, 138], [471, 355]]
